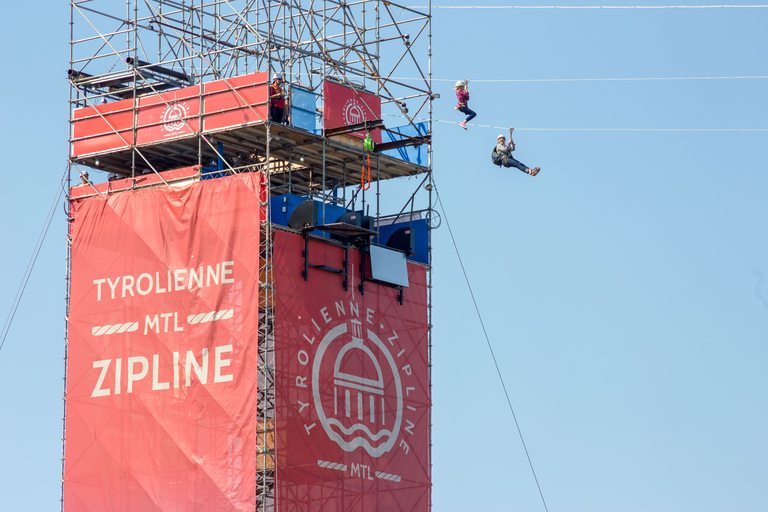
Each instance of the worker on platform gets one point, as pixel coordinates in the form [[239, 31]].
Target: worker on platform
[[502, 155], [276, 100], [83, 179], [462, 95]]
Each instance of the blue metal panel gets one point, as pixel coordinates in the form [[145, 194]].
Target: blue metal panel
[[413, 154], [216, 169], [303, 108], [281, 208], [421, 235], [288, 202]]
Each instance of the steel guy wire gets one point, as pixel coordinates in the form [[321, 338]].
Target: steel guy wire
[[31, 264], [490, 348]]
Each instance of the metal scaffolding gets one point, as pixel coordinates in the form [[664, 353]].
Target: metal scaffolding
[[138, 48]]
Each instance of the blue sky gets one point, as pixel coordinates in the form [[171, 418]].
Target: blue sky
[[624, 290]]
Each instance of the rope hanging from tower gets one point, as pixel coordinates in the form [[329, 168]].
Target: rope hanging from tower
[[368, 148]]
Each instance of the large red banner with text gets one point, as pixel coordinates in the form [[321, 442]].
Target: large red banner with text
[[162, 354], [352, 394]]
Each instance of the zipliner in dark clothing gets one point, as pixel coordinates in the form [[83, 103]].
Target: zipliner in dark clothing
[[502, 155]]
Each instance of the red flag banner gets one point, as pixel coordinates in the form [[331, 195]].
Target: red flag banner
[[162, 354], [352, 393]]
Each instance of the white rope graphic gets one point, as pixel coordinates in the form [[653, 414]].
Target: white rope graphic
[[202, 318], [338, 466], [388, 476], [102, 330]]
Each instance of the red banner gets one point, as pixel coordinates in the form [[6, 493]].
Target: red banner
[[162, 366], [102, 128], [227, 103], [168, 115], [343, 106], [236, 101], [352, 393]]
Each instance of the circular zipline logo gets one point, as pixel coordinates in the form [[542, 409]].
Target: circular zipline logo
[[358, 397], [174, 115], [357, 390], [353, 112]]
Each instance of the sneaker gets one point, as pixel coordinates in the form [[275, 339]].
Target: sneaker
[[463, 125], [535, 171]]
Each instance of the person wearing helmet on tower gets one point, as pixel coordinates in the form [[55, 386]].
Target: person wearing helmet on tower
[[462, 94], [502, 155], [276, 99]]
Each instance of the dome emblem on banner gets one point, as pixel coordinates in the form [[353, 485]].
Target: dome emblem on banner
[[357, 390], [174, 115], [353, 112]]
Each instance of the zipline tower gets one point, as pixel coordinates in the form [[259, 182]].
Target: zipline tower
[[248, 315]]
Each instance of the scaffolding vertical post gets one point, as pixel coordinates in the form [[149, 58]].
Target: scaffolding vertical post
[[73, 97]]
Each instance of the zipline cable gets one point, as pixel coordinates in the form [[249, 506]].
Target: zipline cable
[[488, 341], [31, 264], [648, 79], [614, 129], [589, 6], [595, 129]]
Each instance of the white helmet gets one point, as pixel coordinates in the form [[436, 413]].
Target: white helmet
[[500, 137], [278, 77], [460, 83]]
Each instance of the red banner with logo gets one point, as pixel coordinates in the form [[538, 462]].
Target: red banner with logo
[[168, 115], [343, 106], [352, 393], [162, 354], [228, 103]]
